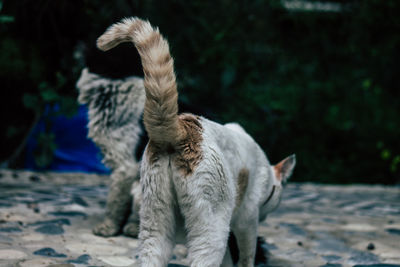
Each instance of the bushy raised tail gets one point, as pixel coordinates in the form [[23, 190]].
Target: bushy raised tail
[[161, 108]]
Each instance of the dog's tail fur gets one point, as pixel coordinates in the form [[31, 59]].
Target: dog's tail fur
[[161, 107]]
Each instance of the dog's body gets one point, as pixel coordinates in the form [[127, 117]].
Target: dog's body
[[196, 175], [106, 128], [115, 125]]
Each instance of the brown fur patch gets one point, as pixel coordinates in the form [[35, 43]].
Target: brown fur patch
[[242, 182], [278, 170], [152, 152], [188, 153]]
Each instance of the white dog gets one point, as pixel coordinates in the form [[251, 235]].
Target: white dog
[[197, 176]]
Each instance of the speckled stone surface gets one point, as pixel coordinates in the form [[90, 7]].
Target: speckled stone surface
[[46, 220]]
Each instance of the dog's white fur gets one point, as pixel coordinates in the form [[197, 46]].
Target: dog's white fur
[[115, 108], [197, 176]]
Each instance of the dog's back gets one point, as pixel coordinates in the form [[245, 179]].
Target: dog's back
[[115, 111]]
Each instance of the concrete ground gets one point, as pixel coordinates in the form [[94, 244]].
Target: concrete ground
[[46, 220]]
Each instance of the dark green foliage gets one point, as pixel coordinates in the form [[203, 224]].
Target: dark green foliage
[[323, 85]]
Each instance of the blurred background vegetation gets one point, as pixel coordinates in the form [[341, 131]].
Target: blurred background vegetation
[[319, 79]]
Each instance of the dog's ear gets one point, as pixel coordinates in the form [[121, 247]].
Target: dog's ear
[[284, 169]]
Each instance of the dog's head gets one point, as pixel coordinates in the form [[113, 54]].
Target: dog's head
[[86, 86], [281, 172]]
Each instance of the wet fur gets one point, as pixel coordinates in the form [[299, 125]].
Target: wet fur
[[191, 168], [101, 94]]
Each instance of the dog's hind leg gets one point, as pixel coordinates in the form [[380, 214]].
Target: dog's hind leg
[[206, 205], [207, 236], [157, 214]]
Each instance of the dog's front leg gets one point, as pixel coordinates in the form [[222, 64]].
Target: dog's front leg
[[227, 261], [246, 236], [118, 201], [131, 227], [157, 220]]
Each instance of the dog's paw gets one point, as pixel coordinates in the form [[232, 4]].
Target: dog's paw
[[131, 229], [106, 228]]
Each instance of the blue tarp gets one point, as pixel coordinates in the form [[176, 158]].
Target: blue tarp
[[74, 152]]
